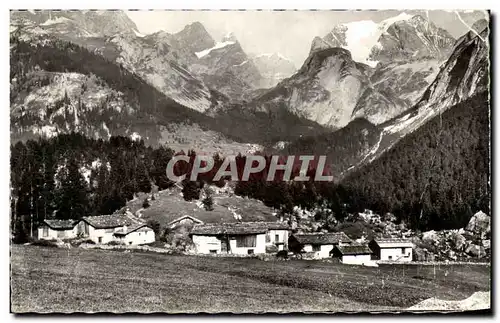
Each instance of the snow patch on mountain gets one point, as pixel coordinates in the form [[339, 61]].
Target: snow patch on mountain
[[389, 21], [242, 63], [138, 34], [217, 46], [57, 20], [362, 36]]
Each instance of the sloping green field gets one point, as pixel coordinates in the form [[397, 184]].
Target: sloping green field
[[170, 205], [78, 280]]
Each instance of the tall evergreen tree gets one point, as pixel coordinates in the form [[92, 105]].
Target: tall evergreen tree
[[72, 199]]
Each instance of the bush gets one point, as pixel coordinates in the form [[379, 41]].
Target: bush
[[156, 244], [272, 249], [45, 243], [115, 243], [146, 204], [78, 242], [282, 254], [155, 225], [355, 230]]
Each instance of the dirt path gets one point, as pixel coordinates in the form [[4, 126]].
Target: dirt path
[[477, 301]]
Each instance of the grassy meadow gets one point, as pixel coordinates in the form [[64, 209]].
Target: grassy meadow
[[77, 280]]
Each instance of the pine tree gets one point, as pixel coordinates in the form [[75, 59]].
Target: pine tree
[[142, 179], [190, 190], [72, 201], [208, 201]]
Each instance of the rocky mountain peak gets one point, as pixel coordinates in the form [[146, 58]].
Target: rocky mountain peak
[[195, 37], [480, 25], [321, 58], [229, 37], [318, 44], [324, 90], [73, 24], [273, 67], [412, 38], [401, 37]]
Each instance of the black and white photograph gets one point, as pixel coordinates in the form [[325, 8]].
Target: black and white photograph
[[250, 161]]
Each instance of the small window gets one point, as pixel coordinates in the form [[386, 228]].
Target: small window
[[403, 251], [248, 241], [130, 242], [277, 238], [268, 237], [213, 251], [390, 257], [316, 247], [45, 231], [99, 239], [250, 251]]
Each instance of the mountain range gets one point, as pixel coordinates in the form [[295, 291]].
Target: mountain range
[[95, 73]]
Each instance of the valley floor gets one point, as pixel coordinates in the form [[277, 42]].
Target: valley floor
[[77, 280]]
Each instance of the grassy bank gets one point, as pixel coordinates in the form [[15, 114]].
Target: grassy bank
[[49, 279]]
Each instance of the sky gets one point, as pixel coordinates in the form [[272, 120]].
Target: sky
[[289, 33]]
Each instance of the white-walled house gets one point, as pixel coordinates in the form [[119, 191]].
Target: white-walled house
[[241, 238], [319, 244], [392, 249], [353, 254], [106, 228], [278, 234], [57, 229], [101, 228], [135, 235]]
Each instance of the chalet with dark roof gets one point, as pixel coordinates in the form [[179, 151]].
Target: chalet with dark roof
[[115, 227], [57, 229], [100, 229], [352, 254], [321, 244], [238, 237], [392, 249]]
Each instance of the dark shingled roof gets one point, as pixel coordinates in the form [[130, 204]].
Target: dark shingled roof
[[354, 250], [192, 218], [322, 238], [60, 224], [278, 226], [236, 228], [107, 221], [135, 227], [392, 240]]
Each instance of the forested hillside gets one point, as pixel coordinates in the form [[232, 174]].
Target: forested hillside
[[344, 148], [71, 176], [436, 177]]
